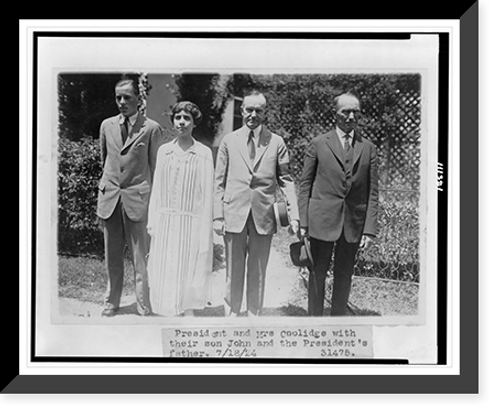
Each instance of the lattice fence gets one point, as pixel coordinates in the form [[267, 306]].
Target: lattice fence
[[302, 107], [396, 253]]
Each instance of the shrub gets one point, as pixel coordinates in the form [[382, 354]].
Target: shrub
[[395, 254], [78, 176]]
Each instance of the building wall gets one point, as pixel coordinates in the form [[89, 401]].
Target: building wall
[[161, 98]]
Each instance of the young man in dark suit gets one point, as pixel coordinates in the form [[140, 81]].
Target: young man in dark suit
[[338, 203]]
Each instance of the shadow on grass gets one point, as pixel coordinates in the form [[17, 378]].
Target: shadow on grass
[[285, 311], [130, 309], [356, 311], [289, 310]]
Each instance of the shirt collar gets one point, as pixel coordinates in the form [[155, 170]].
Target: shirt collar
[[341, 134], [256, 131], [177, 148], [132, 119]]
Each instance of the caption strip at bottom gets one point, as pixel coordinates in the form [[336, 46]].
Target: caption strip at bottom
[[235, 342]]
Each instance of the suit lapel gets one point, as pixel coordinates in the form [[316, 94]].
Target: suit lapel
[[358, 148], [116, 132], [333, 142], [264, 140], [134, 133], [241, 142]]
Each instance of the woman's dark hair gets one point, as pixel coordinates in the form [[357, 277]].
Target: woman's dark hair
[[189, 107]]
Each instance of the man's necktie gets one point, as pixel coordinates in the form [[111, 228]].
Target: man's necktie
[[124, 129], [251, 146], [347, 144]]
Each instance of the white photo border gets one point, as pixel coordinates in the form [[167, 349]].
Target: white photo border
[[123, 368]]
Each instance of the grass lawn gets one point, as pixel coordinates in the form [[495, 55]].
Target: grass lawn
[[85, 279], [368, 296]]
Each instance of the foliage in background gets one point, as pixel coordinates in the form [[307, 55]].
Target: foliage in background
[[209, 93], [86, 99], [78, 177], [395, 255], [299, 108]]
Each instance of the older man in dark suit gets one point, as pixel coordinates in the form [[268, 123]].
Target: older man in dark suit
[[338, 203], [129, 143]]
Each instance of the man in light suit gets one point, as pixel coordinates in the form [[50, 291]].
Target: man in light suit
[[252, 165], [129, 143], [338, 203]]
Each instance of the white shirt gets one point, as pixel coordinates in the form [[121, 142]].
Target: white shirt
[[131, 120], [342, 134]]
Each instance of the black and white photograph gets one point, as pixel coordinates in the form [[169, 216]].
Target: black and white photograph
[[228, 192], [235, 197], [200, 279]]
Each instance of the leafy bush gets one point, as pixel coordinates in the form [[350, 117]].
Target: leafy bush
[[78, 176]]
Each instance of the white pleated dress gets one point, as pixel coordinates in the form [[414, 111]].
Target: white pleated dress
[[180, 224]]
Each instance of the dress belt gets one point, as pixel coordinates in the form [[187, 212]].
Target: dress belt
[[177, 212]]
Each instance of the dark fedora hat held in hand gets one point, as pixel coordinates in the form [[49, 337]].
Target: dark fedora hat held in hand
[[300, 253]]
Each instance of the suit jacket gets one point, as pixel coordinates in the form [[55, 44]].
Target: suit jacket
[[128, 168], [335, 195], [241, 186]]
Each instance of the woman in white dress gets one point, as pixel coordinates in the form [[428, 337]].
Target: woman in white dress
[[180, 220]]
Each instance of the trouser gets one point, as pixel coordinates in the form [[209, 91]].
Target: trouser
[[343, 269], [120, 231], [247, 254]]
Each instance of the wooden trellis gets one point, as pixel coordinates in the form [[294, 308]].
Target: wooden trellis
[[395, 130]]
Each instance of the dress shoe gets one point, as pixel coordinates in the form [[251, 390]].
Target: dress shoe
[[109, 312], [228, 312], [143, 312]]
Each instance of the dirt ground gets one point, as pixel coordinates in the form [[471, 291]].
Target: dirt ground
[[284, 295]]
